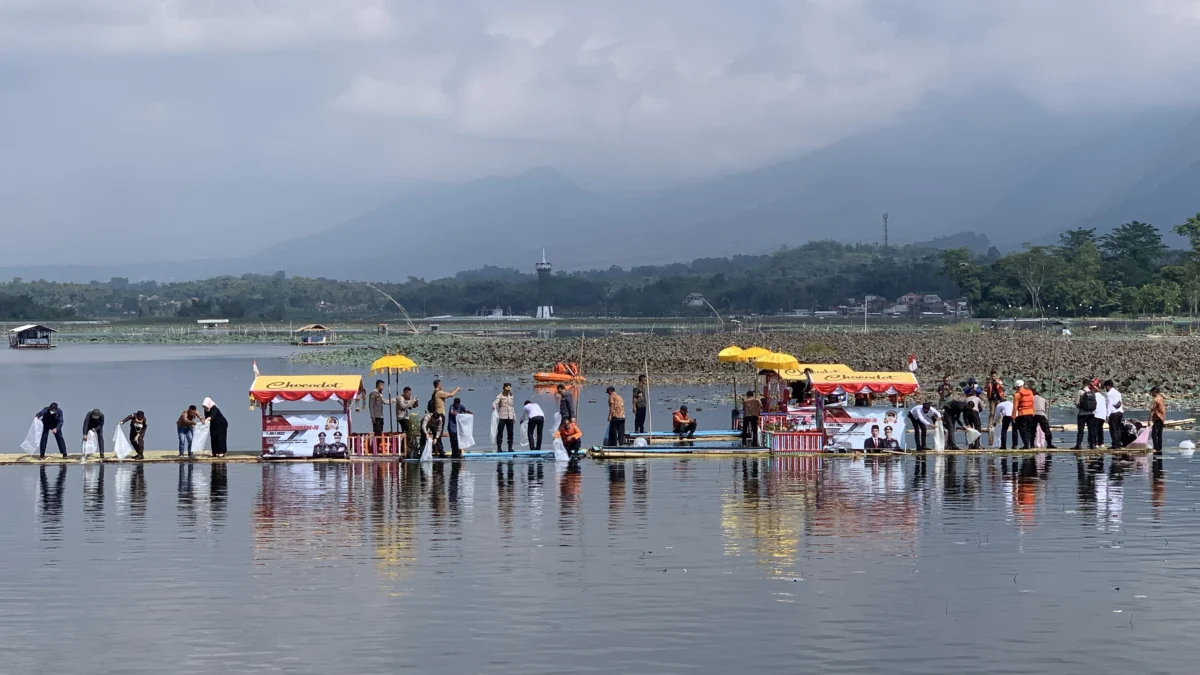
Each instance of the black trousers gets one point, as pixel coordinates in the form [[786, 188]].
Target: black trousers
[[1040, 422], [639, 421], [1095, 433], [616, 431], [1156, 433], [1005, 424], [455, 451], [952, 421], [536, 425], [1025, 427], [62, 445], [919, 431], [750, 430], [688, 429], [1083, 430], [505, 426], [1116, 425]]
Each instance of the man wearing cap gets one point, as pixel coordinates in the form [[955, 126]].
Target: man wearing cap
[[682, 424], [52, 422], [1023, 411], [94, 421]]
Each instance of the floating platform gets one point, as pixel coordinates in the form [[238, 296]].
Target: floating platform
[[516, 454]]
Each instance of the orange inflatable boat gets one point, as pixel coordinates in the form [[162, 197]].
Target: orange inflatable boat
[[563, 372]]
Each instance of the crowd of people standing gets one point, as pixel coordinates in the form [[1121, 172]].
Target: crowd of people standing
[[977, 409]]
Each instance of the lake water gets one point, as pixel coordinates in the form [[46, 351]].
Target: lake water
[[993, 564]]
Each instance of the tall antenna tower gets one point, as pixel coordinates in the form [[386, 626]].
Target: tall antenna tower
[[885, 234]]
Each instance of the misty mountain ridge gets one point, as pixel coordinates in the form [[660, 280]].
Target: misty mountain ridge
[[986, 162]]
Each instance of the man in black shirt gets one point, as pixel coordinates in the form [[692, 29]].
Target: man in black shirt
[[94, 421]]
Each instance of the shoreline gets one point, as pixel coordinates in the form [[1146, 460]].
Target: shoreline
[[1058, 364]]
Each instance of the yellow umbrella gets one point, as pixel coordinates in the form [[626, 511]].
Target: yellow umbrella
[[731, 354], [393, 363], [754, 353], [776, 362]]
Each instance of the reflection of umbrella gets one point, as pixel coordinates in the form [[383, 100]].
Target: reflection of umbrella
[[776, 362], [392, 363], [732, 354]]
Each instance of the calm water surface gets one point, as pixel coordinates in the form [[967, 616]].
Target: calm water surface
[[1063, 565], [1058, 564]]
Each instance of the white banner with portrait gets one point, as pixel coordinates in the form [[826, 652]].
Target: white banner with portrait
[[289, 435], [854, 428]]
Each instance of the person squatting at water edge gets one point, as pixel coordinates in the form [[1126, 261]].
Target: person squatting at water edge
[[682, 425]]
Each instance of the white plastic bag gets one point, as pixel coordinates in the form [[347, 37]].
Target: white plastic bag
[[466, 431], [560, 451], [939, 437], [640, 442], [33, 439], [1039, 438], [199, 439], [427, 451], [1142, 440], [972, 436], [525, 434], [91, 444], [495, 424], [121, 445]]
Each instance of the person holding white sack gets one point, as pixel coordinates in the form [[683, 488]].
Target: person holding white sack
[[52, 423], [218, 428], [535, 418], [94, 421]]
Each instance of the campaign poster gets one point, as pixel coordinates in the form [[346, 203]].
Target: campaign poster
[[854, 428], [294, 434]]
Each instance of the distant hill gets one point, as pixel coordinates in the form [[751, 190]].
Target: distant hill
[[989, 162]]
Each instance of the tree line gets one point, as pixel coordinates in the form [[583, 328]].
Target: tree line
[[1129, 271]]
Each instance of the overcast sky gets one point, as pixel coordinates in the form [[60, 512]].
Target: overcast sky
[[100, 93]]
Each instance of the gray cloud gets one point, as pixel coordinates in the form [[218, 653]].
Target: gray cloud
[[141, 95]]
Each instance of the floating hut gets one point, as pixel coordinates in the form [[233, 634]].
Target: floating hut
[[313, 335], [31, 336]]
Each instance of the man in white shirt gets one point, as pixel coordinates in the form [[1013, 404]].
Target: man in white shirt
[[922, 417], [1100, 415], [537, 419], [1004, 410], [1116, 414]]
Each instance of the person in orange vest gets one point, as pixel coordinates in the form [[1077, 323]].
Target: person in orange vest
[[571, 436], [682, 424], [1023, 409], [560, 368]]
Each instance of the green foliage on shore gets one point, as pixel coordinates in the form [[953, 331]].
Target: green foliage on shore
[[1126, 272]]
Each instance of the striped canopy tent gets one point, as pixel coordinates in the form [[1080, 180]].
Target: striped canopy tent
[[901, 383], [290, 388]]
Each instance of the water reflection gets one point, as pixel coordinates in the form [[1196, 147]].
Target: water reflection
[[50, 502]]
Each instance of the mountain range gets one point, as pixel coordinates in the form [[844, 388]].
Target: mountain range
[[989, 162]]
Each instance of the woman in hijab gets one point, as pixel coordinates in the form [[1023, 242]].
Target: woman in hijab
[[218, 428]]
